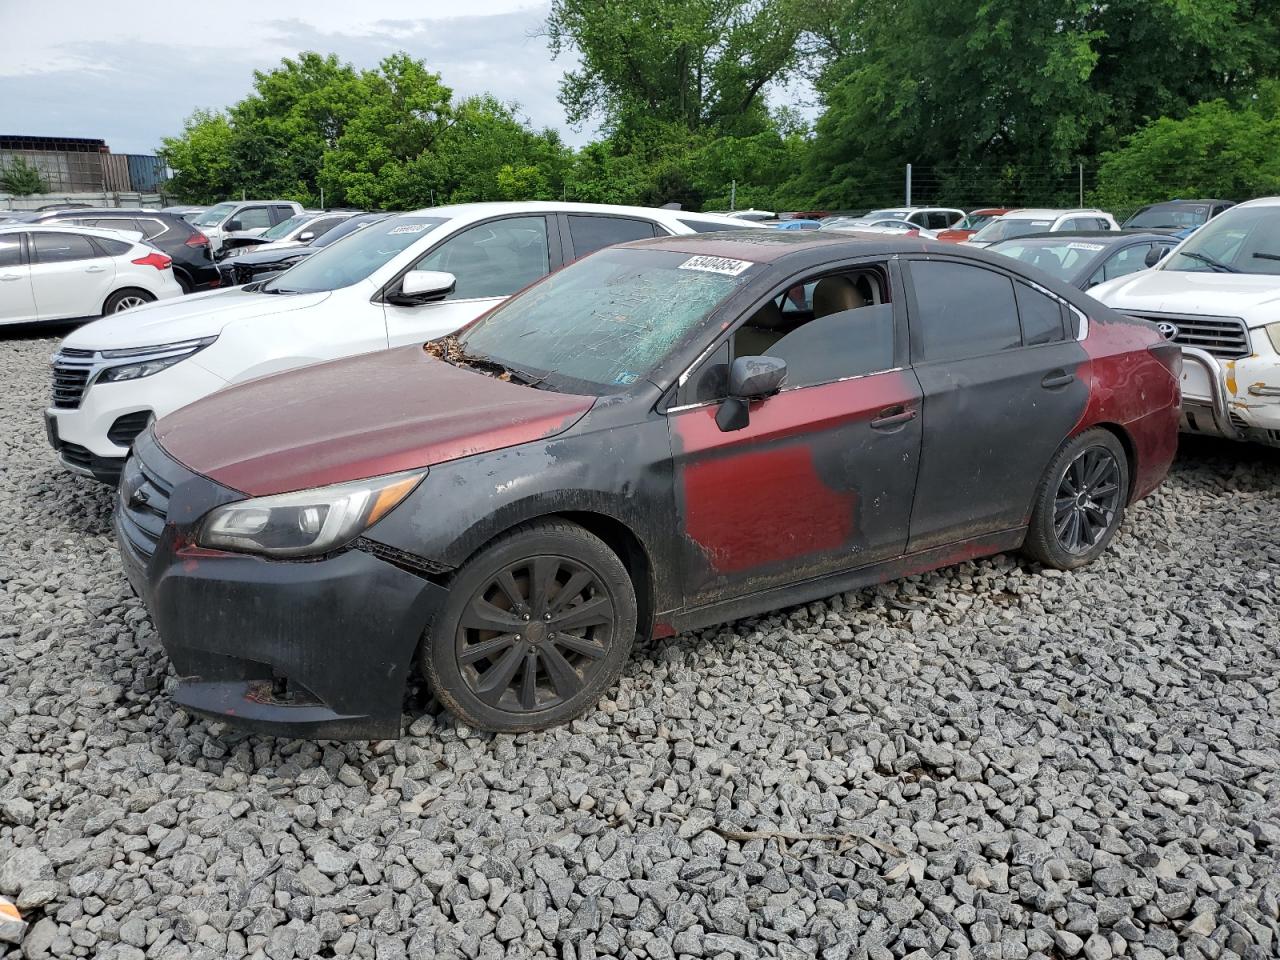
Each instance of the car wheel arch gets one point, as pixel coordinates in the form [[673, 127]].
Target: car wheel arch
[[1126, 442]]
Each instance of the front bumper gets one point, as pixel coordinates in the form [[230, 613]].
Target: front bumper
[[1236, 399], [318, 648]]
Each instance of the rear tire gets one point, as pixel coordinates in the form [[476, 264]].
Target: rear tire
[[536, 628], [1080, 502], [126, 299]]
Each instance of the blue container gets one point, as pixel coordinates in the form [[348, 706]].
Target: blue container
[[146, 172]]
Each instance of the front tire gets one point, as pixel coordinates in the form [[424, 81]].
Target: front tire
[[536, 628], [126, 300], [1080, 502]]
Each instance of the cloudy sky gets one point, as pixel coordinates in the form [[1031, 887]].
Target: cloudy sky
[[129, 74]]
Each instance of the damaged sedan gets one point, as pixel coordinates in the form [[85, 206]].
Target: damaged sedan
[[661, 436]]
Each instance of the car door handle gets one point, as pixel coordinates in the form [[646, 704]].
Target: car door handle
[[9, 276], [94, 269], [891, 417], [1059, 378]]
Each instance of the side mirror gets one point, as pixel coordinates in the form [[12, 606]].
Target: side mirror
[[750, 378], [1155, 255], [306, 235], [232, 225], [423, 286]]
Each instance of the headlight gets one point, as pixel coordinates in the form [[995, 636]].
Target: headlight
[[150, 359], [1273, 333], [306, 522]]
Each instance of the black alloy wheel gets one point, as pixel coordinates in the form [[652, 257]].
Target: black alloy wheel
[[1080, 502], [535, 628], [1087, 499], [535, 633]]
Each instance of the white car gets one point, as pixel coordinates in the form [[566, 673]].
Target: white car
[[893, 225], [60, 273], [227, 222], [927, 218], [297, 231], [1217, 295], [380, 287], [1022, 223]]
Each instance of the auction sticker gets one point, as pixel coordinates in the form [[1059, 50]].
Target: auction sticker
[[407, 228], [1095, 247], [730, 268]]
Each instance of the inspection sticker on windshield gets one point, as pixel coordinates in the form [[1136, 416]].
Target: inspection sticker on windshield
[[730, 268], [407, 228], [1095, 247]]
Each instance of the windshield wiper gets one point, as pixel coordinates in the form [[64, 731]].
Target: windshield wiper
[[1204, 258], [1267, 256]]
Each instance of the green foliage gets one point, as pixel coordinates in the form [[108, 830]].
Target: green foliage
[[390, 138], [973, 91], [21, 179], [1217, 150]]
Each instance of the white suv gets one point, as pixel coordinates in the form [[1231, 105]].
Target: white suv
[[380, 287], [225, 223], [1217, 295], [927, 218], [1023, 223], [58, 273]]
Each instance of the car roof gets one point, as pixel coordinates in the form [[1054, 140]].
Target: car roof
[[1045, 213], [1165, 203], [483, 210], [105, 212], [105, 232], [1109, 237], [1261, 202], [807, 247]]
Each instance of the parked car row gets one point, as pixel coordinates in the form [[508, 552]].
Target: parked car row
[[545, 430]]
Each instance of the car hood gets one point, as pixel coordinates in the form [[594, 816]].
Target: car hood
[[272, 245], [1250, 296], [358, 417], [184, 318], [269, 254]]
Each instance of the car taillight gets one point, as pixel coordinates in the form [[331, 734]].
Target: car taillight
[[161, 261], [1170, 357], [197, 239]]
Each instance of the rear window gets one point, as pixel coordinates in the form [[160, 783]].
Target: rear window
[[1004, 229]]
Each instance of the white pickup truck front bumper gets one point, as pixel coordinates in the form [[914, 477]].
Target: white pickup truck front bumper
[[1236, 399]]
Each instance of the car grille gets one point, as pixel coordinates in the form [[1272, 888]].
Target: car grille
[[143, 507], [71, 372], [126, 429], [1224, 337], [235, 274]]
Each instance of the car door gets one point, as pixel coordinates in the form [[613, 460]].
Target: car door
[[490, 260], [821, 479], [586, 233], [1004, 383], [17, 301], [70, 275], [252, 221]]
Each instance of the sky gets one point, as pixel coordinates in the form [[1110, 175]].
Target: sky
[[130, 74]]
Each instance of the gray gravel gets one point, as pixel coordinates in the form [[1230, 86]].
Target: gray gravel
[[986, 762]]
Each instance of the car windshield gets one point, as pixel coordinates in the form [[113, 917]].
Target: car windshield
[[347, 227], [214, 215], [1062, 259], [1003, 228], [608, 320], [1169, 216], [1241, 240], [351, 261], [975, 221], [285, 227]]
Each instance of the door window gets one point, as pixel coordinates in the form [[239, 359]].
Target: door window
[[323, 225], [281, 213], [590, 234], [11, 250], [1041, 316], [254, 218], [63, 248], [961, 311], [837, 326], [493, 259], [151, 228], [1122, 263]]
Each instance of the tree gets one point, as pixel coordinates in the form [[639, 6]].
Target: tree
[[201, 159], [22, 179], [702, 64], [1017, 91], [1217, 150]]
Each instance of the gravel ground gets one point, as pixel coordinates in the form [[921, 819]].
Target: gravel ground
[[987, 762]]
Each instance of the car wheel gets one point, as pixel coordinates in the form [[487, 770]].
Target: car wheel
[[1080, 501], [126, 300], [536, 628]]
